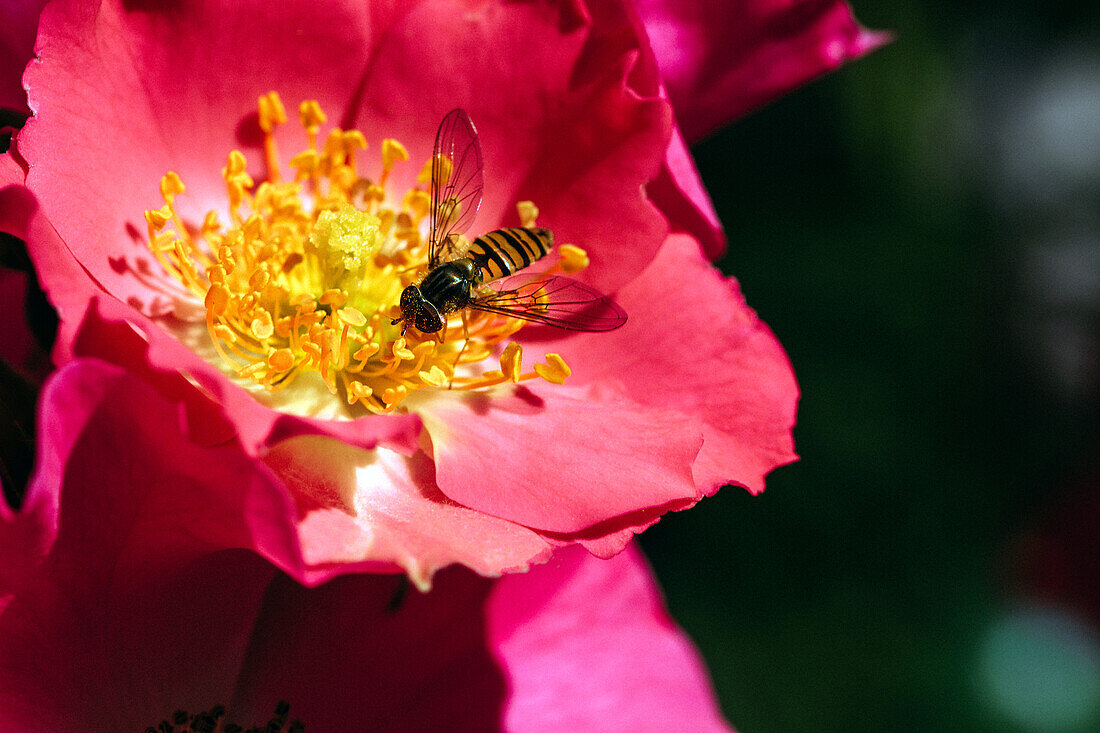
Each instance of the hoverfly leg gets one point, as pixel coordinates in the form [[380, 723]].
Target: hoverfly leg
[[465, 340]]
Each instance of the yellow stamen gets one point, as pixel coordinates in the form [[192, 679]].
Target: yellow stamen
[[272, 113], [555, 370], [295, 284], [392, 151], [573, 258], [528, 213], [510, 361], [312, 118]]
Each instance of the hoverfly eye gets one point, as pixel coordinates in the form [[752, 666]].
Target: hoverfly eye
[[418, 311], [410, 301], [427, 320]]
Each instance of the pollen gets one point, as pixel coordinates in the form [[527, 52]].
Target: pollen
[[305, 274]]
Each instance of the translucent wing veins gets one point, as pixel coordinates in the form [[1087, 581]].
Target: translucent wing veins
[[457, 183], [554, 301]]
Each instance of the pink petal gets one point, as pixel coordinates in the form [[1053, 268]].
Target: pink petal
[[345, 662], [11, 173], [557, 459], [16, 49], [600, 653], [566, 108], [607, 539], [100, 421], [577, 645], [694, 346], [380, 506], [678, 192], [137, 511], [721, 59]]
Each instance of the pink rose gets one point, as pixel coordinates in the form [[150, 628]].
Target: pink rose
[[692, 393], [130, 587]]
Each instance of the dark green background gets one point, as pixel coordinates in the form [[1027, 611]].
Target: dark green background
[[865, 229]]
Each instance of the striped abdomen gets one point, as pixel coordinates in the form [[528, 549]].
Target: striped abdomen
[[505, 251]]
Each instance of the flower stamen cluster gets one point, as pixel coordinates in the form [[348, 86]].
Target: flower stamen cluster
[[307, 274], [214, 721]]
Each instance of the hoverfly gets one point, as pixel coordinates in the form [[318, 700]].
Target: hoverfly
[[457, 275]]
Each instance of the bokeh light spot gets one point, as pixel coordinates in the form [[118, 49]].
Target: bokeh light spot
[[1040, 669]]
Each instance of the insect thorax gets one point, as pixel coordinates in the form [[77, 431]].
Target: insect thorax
[[450, 286]]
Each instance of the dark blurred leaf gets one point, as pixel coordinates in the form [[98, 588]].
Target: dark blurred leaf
[[41, 316], [17, 413]]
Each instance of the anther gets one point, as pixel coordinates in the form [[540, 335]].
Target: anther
[[392, 151], [311, 115], [555, 370], [271, 111], [528, 213], [171, 185], [573, 258], [510, 361]]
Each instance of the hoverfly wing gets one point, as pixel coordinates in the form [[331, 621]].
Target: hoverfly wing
[[457, 183], [554, 301]]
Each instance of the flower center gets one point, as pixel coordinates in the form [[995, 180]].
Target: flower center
[[307, 275]]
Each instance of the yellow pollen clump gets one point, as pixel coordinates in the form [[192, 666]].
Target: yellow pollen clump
[[306, 275], [345, 240]]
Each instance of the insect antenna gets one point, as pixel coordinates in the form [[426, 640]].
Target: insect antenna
[[403, 321]]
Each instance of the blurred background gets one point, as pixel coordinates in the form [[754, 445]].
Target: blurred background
[[922, 231]]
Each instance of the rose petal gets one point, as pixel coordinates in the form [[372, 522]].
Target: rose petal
[[558, 459], [721, 59], [380, 506], [609, 538], [600, 653], [693, 345], [348, 656], [133, 505], [11, 173], [678, 192], [358, 508], [97, 417]]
